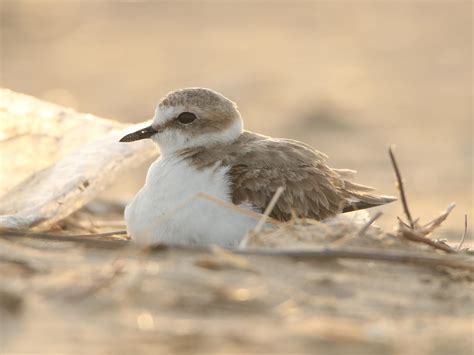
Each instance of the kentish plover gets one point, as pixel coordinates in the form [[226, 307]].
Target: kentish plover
[[204, 149]]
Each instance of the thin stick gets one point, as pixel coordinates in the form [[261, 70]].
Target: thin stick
[[435, 223], [416, 237], [402, 222], [231, 206], [361, 253], [78, 238], [369, 223], [463, 238], [367, 254], [269, 209], [314, 254], [401, 188], [53, 235]]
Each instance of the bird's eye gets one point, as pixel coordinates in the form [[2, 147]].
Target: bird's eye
[[186, 117]]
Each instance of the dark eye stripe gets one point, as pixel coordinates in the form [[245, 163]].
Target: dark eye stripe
[[186, 117]]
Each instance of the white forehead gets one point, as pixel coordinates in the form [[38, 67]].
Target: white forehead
[[166, 113]]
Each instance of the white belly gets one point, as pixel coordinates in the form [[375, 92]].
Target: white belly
[[167, 209]]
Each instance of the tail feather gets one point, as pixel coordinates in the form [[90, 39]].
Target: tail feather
[[357, 188], [360, 197], [346, 174], [360, 201]]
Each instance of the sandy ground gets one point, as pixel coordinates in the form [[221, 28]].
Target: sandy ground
[[70, 298]]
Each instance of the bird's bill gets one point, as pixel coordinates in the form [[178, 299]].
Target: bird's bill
[[143, 133]]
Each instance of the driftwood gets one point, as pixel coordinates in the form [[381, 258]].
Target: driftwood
[[83, 159]]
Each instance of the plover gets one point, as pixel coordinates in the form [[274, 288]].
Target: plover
[[204, 149]]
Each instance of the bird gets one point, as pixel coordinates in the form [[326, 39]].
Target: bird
[[205, 151]]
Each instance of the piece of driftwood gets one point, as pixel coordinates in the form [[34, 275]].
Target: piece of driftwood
[[91, 161]]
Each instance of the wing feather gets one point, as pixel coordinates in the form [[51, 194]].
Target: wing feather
[[257, 165], [312, 189]]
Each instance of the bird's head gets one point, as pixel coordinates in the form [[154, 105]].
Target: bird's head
[[189, 118]]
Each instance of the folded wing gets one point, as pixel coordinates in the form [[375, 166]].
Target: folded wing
[[312, 189]]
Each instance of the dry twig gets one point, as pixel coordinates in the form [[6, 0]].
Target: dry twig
[[401, 188], [415, 236], [268, 210], [412, 231], [85, 239], [361, 253], [54, 235], [435, 223], [463, 238], [367, 254], [314, 254], [369, 223], [231, 206], [402, 222]]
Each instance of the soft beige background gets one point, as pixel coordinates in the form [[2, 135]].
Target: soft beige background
[[349, 77]]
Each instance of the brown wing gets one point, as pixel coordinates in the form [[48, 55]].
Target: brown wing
[[258, 165], [312, 189]]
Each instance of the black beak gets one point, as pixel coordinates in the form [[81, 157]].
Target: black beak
[[141, 134]]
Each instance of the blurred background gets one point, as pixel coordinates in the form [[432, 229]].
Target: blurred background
[[348, 77]]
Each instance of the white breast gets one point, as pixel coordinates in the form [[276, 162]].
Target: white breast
[[167, 209]]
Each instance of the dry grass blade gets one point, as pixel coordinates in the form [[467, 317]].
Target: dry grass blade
[[401, 188], [85, 239], [203, 196], [269, 209], [435, 223], [55, 236], [357, 253], [414, 236], [412, 231], [463, 238], [369, 223], [360, 253], [402, 222], [231, 206]]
